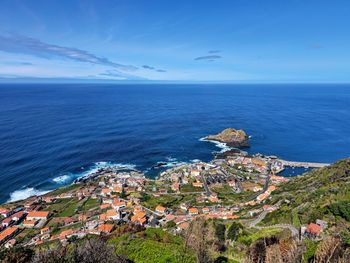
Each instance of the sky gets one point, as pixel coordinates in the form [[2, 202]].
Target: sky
[[245, 41]]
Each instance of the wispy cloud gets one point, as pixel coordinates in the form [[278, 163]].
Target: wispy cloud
[[148, 67], [214, 51], [27, 45], [153, 68], [210, 57], [115, 74]]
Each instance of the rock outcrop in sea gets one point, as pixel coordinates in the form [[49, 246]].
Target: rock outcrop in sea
[[231, 137]]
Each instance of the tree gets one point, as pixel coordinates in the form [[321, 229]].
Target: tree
[[16, 255], [234, 231], [195, 238], [123, 193], [220, 231], [91, 251]]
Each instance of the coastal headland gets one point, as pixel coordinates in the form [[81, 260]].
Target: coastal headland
[[232, 187]]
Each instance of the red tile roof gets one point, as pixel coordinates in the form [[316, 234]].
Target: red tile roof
[[313, 229]]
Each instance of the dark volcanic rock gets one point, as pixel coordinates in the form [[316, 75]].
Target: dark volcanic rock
[[232, 138]]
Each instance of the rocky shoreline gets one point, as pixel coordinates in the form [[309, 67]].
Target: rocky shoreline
[[231, 137]]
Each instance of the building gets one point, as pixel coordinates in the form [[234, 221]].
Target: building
[[29, 223], [106, 192], [184, 206], [193, 211], [195, 172], [197, 184], [117, 204], [7, 234], [45, 230], [175, 187], [106, 228], [313, 230], [5, 212], [112, 214], [6, 222], [139, 217], [161, 210], [18, 216], [38, 215], [205, 210]]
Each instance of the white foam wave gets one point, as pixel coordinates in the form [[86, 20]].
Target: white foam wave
[[25, 193], [69, 177], [196, 161], [61, 179], [223, 146]]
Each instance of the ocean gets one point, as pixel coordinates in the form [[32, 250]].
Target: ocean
[[51, 134]]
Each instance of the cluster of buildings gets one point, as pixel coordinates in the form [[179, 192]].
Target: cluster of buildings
[[118, 197], [13, 220]]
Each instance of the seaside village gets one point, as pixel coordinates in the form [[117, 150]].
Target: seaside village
[[228, 189]]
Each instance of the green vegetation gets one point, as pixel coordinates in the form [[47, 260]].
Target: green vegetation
[[65, 189], [170, 201], [89, 204], [152, 245], [250, 237], [234, 231], [341, 209], [188, 188], [319, 194], [310, 250], [70, 208]]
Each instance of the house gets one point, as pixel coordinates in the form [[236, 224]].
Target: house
[[195, 172], [257, 189], [38, 215], [139, 217], [205, 210], [66, 233], [214, 198], [45, 230], [117, 204], [106, 228], [183, 226], [175, 187], [184, 206], [266, 207], [112, 214], [105, 206], [193, 211], [10, 243], [7, 234], [313, 230], [82, 217], [29, 223], [161, 210], [278, 179], [169, 217], [5, 212], [197, 184], [6, 222], [106, 192], [18, 216]]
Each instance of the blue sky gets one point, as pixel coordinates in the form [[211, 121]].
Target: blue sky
[[168, 40]]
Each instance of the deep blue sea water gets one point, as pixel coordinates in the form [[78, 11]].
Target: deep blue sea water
[[51, 134]]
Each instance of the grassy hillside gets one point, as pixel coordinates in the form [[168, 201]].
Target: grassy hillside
[[320, 194]]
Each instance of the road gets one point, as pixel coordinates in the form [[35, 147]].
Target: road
[[303, 164], [294, 231], [205, 185]]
